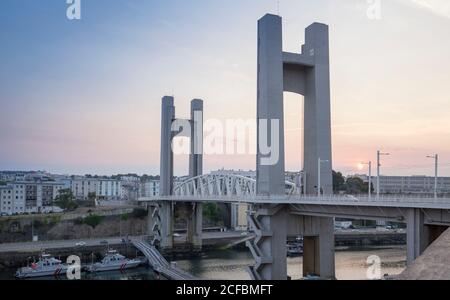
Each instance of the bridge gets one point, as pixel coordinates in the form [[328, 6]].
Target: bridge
[[426, 217], [276, 208], [160, 264]]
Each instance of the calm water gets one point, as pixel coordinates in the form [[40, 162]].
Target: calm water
[[350, 265]]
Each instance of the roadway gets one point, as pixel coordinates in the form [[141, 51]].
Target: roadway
[[47, 245], [208, 237], [393, 201]]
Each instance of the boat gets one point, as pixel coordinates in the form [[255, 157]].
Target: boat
[[294, 249], [46, 266], [113, 261]]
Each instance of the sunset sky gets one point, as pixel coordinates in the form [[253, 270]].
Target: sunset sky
[[84, 96]]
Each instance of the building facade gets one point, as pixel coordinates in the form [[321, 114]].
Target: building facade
[[28, 197], [149, 188], [102, 188], [409, 184]]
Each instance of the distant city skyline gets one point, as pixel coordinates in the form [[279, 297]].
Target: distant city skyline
[[83, 96]]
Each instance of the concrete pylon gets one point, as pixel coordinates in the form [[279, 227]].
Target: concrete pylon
[[196, 141], [166, 209], [195, 219], [270, 106], [307, 74], [166, 172], [166, 158]]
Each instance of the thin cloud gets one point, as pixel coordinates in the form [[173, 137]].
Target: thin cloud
[[437, 7]]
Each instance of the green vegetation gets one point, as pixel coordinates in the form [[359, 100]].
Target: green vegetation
[[139, 213], [93, 220], [211, 212], [338, 182], [124, 217], [353, 185], [51, 220], [66, 200]]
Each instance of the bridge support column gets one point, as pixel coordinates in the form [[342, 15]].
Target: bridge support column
[[195, 226], [166, 159], [417, 234], [318, 250], [195, 217], [318, 244], [308, 74], [166, 225], [269, 247]]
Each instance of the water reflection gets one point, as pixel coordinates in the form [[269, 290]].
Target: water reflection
[[231, 265]]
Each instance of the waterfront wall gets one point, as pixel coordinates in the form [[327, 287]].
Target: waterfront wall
[[49, 228]]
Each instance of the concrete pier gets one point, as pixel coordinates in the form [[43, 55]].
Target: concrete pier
[[306, 74], [164, 212]]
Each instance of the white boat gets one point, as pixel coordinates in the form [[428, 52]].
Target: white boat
[[113, 261], [46, 266], [294, 249]]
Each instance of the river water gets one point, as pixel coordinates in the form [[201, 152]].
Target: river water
[[351, 264]]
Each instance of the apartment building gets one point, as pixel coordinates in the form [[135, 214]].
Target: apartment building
[[103, 188], [409, 184], [26, 197], [149, 188]]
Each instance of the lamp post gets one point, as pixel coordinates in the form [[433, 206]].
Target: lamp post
[[436, 162], [379, 154], [319, 165], [370, 176]]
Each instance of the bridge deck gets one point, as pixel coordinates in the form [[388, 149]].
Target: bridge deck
[[160, 264], [382, 201]]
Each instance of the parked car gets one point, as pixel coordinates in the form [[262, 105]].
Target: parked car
[[104, 242], [80, 244]]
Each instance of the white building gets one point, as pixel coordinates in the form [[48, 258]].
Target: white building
[[6, 199], [109, 189], [410, 184], [26, 197], [81, 187], [149, 188], [103, 188]]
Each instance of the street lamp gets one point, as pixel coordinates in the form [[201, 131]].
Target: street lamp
[[319, 165], [436, 162], [379, 154], [370, 176]]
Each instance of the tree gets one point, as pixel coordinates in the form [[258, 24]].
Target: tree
[[356, 185], [338, 182], [66, 200], [211, 211], [139, 213], [93, 220]]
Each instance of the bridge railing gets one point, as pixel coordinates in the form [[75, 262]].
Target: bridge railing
[[388, 200]]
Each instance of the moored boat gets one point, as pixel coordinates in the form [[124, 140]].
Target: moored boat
[[46, 266], [113, 261]]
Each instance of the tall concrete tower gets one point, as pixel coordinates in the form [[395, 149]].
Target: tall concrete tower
[[166, 159], [196, 140], [308, 74], [165, 224]]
